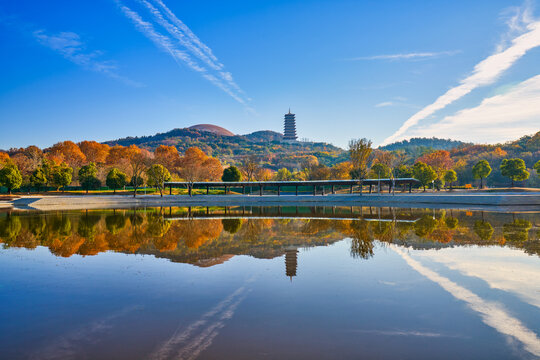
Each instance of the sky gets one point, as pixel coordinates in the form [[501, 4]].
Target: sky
[[383, 70]]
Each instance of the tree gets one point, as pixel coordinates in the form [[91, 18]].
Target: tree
[[439, 160], [38, 178], [88, 177], [231, 174], [481, 170], [283, 174], [404, 171], [68, 152], [514, 169], [195, 165], [341, 171], [167, 156], [380, 171], [116, 179], [94, 151], [263, 174], [157, 175], [424, 173], [359, 151], [4, 158], [537, 168], [249, 167], [449, 177], [138, 160], [10, 177], [61, 175]]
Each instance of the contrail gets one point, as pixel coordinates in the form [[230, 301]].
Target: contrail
[[203, 62], [485, 73], [199, 335]]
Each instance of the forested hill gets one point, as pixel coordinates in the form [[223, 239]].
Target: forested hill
[[433, 143], [268, 145]]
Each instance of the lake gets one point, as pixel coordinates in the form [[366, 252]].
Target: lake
[[270, 283]]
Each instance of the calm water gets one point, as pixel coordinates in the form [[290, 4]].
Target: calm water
[[302, 283]]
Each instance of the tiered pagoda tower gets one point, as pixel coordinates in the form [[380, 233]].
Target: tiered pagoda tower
[[289, 131], [291, 261]]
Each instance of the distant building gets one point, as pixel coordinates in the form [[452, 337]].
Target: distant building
[[289, 131]]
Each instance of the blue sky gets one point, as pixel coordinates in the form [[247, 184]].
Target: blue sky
[[385, 70]]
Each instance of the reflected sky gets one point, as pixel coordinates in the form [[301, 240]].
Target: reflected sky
[[269, 283]]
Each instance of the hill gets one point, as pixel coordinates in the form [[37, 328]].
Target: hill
[[213, 129], [231, 149]]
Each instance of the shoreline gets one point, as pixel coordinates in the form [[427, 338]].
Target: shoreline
[[511, 200]]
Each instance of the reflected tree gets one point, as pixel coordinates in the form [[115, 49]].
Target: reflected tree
[[483, 229], [517, 231], [232, 226]]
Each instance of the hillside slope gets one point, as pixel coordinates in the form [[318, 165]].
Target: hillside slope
[[268, 145]]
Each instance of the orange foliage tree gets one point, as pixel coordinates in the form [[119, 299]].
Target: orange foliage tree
[[167, 156], [68, 152], [195, 165], [439, 160], [94, 151]]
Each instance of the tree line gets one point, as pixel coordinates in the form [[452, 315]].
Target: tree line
[[91, 165]]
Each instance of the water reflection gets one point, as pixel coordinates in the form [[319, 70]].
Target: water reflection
[[433, 284], [208, 236]]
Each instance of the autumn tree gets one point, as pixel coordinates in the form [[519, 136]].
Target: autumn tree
[[88, 177], [4, 158], [10, 177], [341, 171], [439, 160], [195, 165], [263, 174], [167, 156], [38, 179], [157, 175], [449, 177], [424, 173], [514, 169], [249, 167], [116, 179], [67, 152], [231, 174], [61, 175], [138, 161], [481, 170], [537, 168], [283, 174], [359, 151], [94, 151]]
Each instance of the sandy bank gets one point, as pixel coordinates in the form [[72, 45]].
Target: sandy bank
[[529, 201]]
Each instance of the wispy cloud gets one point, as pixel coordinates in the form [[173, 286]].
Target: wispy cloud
[[497, 119], [70, 46], [485, 73], [385, 104], [182, 45], [407, 56]]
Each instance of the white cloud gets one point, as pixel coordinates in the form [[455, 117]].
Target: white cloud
[[407, 56], [485, 73], [70, 46], [498, 118]]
